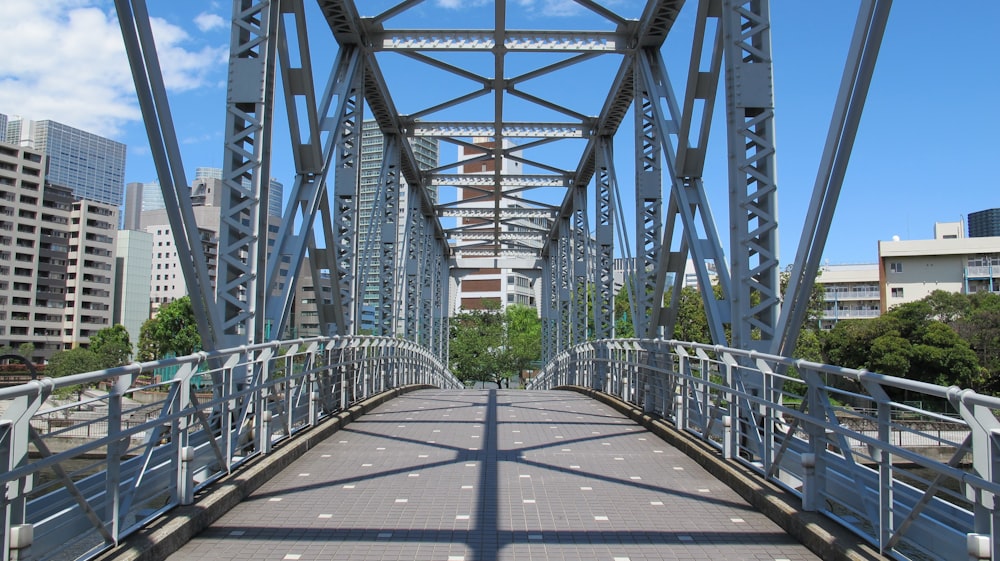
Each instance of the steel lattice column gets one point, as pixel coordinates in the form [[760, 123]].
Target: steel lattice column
[[563, 337], [582, 257], [246, 171], [414, 249], [549, 310], [347, 171], [752, 184], [604, 282], [387, 217], [648, 209], [426, 278]]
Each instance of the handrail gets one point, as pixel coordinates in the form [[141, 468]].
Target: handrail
[[83, 472], [905, 464]]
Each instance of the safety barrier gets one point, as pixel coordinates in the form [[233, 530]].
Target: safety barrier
[[85, 470], [907, 465]]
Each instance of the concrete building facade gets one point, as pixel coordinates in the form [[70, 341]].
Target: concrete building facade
[[910, 270]]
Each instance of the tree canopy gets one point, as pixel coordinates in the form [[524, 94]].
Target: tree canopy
[[112, 346], [491, 346], [174, 331]]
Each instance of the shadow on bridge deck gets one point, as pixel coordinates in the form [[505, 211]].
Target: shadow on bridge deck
[[494, 474]]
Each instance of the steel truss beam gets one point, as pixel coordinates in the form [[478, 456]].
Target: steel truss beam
[[689, 203], [313, 153], [133, 17]]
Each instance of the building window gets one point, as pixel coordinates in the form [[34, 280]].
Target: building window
[[896, 267], [897, 292]]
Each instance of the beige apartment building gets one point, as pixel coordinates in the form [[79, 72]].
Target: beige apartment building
[[57, 258]]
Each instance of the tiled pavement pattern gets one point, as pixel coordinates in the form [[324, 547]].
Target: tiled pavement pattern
[[482, 475]]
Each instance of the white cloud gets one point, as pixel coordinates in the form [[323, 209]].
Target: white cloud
[[207, 22], [65, 60]]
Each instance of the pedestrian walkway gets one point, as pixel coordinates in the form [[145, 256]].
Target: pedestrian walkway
[[493, 475]]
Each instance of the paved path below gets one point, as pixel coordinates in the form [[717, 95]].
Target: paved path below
[[493, 475]]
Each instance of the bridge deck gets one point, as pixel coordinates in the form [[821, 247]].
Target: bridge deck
[[476, 475]]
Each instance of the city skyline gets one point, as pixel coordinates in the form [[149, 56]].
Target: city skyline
[[894, 184]]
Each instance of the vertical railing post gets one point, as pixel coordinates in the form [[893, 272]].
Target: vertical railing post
[[185, 477]]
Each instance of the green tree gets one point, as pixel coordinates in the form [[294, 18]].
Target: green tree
[[907, 342], [112, 346], [73, 361], [692, 322], [173, 330], [624, 328], [492, 346], [523, 345], [475, 353]]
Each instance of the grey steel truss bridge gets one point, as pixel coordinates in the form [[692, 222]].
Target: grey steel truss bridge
[[552, 104]]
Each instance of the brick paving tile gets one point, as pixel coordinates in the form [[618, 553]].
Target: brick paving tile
[[474, 475]]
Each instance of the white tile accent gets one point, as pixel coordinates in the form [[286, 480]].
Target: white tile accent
[[413, 475], [423, 456], [325, 516], [600, 518], [274, 500], [366, 465], [656, 503], [635, 478], [402, 500], [325, 456], [348, 486], [462, 517], [303, 475], [574, 467], [586, 488], [737, 520], [466, 486], [529, 501], [292, 556]]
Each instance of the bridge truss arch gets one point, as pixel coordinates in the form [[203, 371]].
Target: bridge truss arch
[[486, 91]]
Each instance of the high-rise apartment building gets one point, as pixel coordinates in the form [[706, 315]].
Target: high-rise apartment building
[[372, 153], [56, 258], [92, 166]]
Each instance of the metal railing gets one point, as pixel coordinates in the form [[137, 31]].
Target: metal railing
[[908, 466], [85, 471]]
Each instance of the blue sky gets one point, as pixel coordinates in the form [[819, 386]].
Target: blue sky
[[925, 152]]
